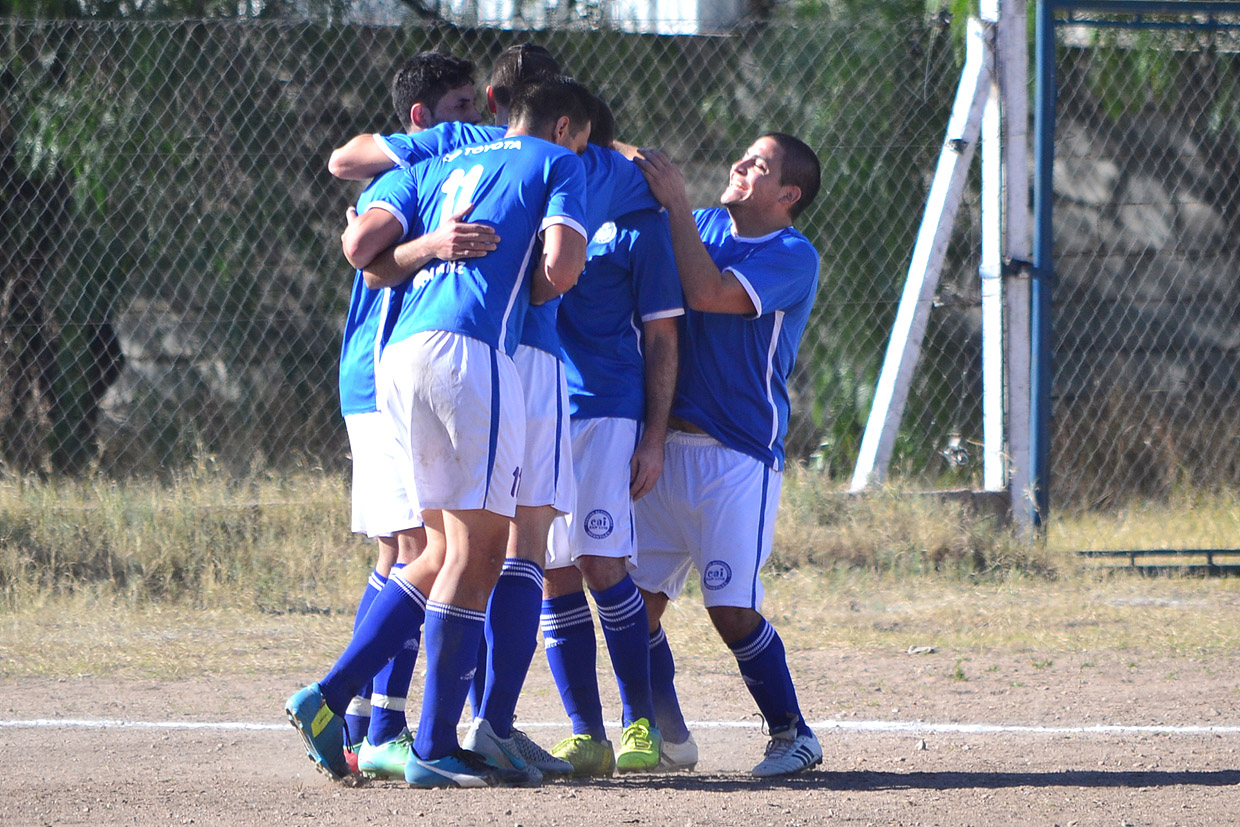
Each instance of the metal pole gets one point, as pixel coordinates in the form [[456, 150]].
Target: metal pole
[[912, 315], [1043, 266], [1012, 56]]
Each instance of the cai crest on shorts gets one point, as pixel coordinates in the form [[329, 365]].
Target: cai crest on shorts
[[599, 524], [716, 575]]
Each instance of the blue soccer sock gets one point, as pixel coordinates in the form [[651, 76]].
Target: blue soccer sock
[[622, 614], [764, 666], [511, 638], [663, 690], [568, 638], [452, 635], [395, 615], [478, 686], [391, 690], [357, 717]]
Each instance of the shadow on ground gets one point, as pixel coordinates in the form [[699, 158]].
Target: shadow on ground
[[868, 780]]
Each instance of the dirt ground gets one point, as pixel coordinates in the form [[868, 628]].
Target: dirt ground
[[913, 775]]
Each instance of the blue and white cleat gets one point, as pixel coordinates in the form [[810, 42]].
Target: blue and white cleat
[[788, 753], [321, 730], [503, 752], [463, 768]]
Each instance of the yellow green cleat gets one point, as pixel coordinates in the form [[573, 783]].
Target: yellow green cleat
[[589, 756], [640, 744]]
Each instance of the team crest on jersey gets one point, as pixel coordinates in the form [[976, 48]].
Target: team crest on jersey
[[605, 234], [716, 575], [599, 524]]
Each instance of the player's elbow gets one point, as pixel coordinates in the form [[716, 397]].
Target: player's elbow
[[563, 274], [338, 166], [344, 160], [356, 251]]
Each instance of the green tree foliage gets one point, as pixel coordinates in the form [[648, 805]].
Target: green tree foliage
[[195, 153]]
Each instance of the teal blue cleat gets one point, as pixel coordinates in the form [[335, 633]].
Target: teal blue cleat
[[464, 768], [321, 730]]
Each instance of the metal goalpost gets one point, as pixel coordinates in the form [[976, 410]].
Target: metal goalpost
[[990, 108]]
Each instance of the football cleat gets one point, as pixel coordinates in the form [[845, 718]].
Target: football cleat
[[589, 756], [504, 752], [789, 752], [536, 756], [463, 768], [321, 730], [682, 757], [387, 760], [640, 745]]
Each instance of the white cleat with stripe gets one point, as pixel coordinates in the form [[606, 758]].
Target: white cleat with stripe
[[788, 753]]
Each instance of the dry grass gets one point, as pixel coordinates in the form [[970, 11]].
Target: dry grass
[[212, 575]]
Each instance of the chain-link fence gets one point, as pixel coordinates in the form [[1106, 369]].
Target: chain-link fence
[[1147, 302], [172, 280]]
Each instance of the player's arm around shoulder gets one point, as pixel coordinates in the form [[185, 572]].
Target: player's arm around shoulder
[[369, 234], [364, 156], [707, 288]]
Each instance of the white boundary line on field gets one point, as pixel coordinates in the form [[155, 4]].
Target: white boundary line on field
[[899, 727]]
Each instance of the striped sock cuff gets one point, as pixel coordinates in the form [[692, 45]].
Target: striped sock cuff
[[458, 612], [376, 581], [411, 591], [528, 569], [755, 643], [658, 637], [359, 706], [631, 605], [562, 613]]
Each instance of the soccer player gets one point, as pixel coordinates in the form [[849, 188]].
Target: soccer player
[[749, 278], [616, 187], [617, 331], [427, 89], [450, 388]]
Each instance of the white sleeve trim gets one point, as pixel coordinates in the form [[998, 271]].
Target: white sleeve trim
[[396, 213], [664, 314], [388, 151], [552, 220], [753, 294]]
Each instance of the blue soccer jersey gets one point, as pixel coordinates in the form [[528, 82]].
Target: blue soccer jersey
[[734, 369], [615, 186], [630, 278], [369, 310], [520, 185]]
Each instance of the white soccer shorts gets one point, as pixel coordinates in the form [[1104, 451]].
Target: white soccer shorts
[[547, 471], [713, 508], [459, 416], [601, 522], [381, 504]]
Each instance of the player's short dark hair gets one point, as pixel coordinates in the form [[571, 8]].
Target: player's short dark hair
[[602, 124], [539, 103], [425, 78], [519, 64], [799, 168]]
